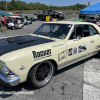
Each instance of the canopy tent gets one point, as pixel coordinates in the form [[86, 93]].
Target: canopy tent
[[5, 13], [93, 9]]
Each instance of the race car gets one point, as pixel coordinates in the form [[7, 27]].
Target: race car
[[54, 45]]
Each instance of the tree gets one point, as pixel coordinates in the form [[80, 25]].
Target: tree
[[21, 5]]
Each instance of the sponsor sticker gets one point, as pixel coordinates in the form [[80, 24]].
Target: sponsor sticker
[[57, 45], [62, 55], [41, 54], [76, 50]]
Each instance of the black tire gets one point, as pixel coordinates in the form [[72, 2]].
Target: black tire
[[41, 74], [31, 23], [98, 54], [13, 28]]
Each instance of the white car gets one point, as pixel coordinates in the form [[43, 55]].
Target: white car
[[12, 26], [11, 23], [27, 21]]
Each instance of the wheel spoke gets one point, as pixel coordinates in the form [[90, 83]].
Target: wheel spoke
[[39, 73], [42, 72], [38, 76]]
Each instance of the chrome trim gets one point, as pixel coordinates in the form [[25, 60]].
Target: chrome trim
[[76, 61], [12, 82], [3, 63]]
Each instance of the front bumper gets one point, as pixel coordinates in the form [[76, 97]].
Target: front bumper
[[9, 82]]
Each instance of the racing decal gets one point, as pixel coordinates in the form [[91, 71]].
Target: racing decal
[[76, 50], [57, 45], [62, 55], [41, 54], [97, 47], [22, 67]]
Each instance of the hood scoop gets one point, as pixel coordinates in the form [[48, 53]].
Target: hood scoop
[[25, 41], [19, 40], [13, 39]]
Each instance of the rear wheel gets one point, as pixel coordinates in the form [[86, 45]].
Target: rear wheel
[[41, 74]]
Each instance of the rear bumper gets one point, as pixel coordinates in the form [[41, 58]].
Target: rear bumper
[[9, 82]]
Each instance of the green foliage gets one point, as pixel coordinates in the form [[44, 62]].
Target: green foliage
[[21, 5]]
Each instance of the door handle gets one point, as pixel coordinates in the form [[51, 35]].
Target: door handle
[[91, 41]]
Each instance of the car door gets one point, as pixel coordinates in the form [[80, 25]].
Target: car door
[[81, 46], [96, 36]]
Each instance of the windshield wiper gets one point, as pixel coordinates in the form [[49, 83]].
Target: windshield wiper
[[35, 32], [45, 34]]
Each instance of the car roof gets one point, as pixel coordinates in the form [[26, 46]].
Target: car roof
[[68, 22], [15, 16]]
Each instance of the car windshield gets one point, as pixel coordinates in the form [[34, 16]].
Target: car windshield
[[11, 19], [54, 30]]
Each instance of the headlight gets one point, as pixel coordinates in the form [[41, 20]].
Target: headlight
[[4, 69]]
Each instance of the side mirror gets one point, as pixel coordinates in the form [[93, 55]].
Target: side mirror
[[79, 37]]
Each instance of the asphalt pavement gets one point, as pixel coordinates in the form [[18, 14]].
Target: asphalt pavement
[[79, 81]]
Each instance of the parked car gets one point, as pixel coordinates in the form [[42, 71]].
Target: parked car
[[32, 19], [37, 13], [27, 21], [99, 25], [92, 21], [49, 18], [11, 23], [53, 46], [92, 18]]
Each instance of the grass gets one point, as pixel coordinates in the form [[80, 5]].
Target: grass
[[1, 29]]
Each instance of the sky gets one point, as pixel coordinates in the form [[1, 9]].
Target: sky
[[62, 2]]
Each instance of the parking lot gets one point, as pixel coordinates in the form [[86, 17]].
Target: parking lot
[[79, 81]]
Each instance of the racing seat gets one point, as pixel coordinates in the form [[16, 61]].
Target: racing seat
[[79, 31], [86, 30]]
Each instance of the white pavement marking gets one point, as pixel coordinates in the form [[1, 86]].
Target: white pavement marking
[[91, 87]]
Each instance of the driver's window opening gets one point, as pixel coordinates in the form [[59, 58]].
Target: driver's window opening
[[80, 31]]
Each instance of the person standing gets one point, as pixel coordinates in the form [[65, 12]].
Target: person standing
[[18, 22], [22, 19], [2, 23], [5, 27]]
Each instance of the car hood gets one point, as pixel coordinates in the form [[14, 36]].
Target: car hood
[[14, 43]]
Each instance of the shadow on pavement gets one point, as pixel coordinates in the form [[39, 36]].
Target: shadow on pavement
[[27, 87]]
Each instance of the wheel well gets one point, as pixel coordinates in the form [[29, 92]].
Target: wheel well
[[52, 61]]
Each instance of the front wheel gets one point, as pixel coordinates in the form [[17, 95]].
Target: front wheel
[[41, 74], [13, 28], [98, 54]]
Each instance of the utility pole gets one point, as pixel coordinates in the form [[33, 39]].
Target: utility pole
[[6, 5], [89, 3]]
